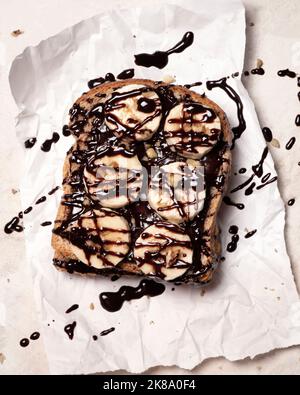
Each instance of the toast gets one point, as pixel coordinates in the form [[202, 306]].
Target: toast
[[143, 183]]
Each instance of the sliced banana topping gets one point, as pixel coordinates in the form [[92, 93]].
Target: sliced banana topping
[[192, 129], [114, 180], [100, 238], [133, 110], [163, 250], [177, 192]]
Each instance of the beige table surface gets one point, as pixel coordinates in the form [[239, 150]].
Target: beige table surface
[[275, 38]]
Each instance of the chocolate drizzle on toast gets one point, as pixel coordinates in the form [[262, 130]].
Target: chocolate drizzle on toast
[[89, 120]]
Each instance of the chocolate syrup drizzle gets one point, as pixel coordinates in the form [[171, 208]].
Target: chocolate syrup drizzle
[[100, 140], [286, 73], [268, 135], [229, 202], [107, 331], [30, 142], [113, 301], [47, 144], [258, 71], [257, 172], [69, 330], [14, 224], [232, 245], [233, 95], [290, 143], [160, 59], [72, 308]]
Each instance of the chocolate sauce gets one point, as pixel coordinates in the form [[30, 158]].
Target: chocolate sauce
[[265, 177], [249, 190], [290, 143], [109, 77], [233, 95], [298, 96], [35, 336], [188, 86], [30, 142], [69, 329], [46, 223], [236, 74], [160, 59], [298, 81], [258, 71], [267, 183], [250, 234], [107, 331], [291, 202], [66, 131], [297, 120], [242, 170], [27, 210], [267, 134], [47, 144], [20, 215], [95, 337], [24, 342], [229, 202], [13, 226], [124, 75], [41, 200], [246, 73], [232, 246], [257, 172], [146, 105], [72, 308], [113, 301], [53, 190], [115, 277], [233, 229], [286, 73]]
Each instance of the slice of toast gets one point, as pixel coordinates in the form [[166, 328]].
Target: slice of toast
[[142, 124]]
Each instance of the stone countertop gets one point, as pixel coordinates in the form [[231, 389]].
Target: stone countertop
[[272, 35]]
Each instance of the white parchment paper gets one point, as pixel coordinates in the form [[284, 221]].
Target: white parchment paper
[[252, 306]]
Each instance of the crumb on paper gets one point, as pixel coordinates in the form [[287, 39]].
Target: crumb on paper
[[202, 293], [265, 288], [14, 191], [251, 24], [168, 79], [259, 63], [275, 143], [8, 280], [151, 322], [246, 230], [92, 306], [272, 289], [282, 284], [278, 298], [220, 367], [17, 32], [259, 368], [2, 358]]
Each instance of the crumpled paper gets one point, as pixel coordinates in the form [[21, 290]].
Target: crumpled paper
[[252, 306]]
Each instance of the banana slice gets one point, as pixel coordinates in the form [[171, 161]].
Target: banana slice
[[133, 110], [100, 238], [113, 180], [177, 191], [163, 250], [192, 129]]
